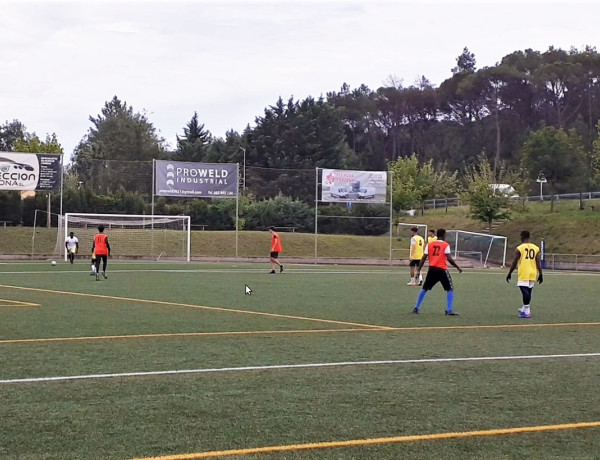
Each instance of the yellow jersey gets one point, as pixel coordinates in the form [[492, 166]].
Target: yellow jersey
[[417, 247], [431, 238], [527, 267]]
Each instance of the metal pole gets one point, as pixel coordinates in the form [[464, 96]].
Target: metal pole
[[243, 171], [152, 217], [48, 209], [60, 212], [237, 207], [391, 176], [316, 209]]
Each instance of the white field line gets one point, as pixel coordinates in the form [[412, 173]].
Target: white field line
[[299, 366]]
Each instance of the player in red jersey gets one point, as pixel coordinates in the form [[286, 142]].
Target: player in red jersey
[[438, 252]]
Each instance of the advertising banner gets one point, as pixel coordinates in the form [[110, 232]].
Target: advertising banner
[[29, 171], [195, 180], [342, 186]]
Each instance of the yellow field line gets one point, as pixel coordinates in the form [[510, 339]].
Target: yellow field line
[[180, 334], [201, 307], [17, 303], [372, 441], [283, 332], [490, 326]]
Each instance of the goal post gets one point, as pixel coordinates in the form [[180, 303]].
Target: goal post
[[135, 236], [485, 248]]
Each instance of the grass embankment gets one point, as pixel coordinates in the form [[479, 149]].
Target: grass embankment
[[566, 228]]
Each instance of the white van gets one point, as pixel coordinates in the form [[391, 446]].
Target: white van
[[366, 193], [504, 190], [338, 192]]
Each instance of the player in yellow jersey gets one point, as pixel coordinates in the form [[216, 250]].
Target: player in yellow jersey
[[431, 236], [417, 248], [529, 268]]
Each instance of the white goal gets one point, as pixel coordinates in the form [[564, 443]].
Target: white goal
[[130, 236], [480, 247]]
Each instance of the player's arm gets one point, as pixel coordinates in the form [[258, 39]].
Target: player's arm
[[538, 265], [412, 249], [77, 246], [93, 246], [107, 245], [67, 244], [453, 263], [513, 265]]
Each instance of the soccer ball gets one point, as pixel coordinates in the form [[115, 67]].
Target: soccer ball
[[53, 262]]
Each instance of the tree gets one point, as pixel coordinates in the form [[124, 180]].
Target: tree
[[594, 159], [292, 136], [358, 111], [414, 182], [10, 132], [559, 154], [34, 145], [465, 63], [194, 143], [487, 204], [118, 150]]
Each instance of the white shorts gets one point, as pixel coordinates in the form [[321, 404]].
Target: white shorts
[[528, 284]]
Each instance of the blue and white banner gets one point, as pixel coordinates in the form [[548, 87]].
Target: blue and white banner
[[195, 180], [30, 171], [346, 186]]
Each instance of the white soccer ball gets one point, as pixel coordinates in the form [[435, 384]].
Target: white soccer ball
[[53, 262]]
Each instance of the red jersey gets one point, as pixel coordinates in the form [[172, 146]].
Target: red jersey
[[437, 250], [100, 246], [275, 242]]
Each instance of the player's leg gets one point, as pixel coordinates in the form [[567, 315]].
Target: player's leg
[[430, 281], [413, 265], [526, 292], [97, 267], [104, 264], [273, 259], [448, 286]]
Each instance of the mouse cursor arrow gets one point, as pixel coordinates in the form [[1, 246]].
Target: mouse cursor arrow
[[247, 290]]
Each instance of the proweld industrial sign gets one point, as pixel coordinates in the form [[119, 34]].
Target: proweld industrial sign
[[29, 171], [195, 180]]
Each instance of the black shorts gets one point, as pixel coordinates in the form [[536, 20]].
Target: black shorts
[[435, 275], [414, 263], [274, 255]]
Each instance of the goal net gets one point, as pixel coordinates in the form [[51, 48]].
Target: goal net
[[130, 236], [480, 247]]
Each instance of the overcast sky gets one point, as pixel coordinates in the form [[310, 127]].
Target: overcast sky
[[228, 60]]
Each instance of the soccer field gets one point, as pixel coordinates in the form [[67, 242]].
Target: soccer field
[[174, 361]]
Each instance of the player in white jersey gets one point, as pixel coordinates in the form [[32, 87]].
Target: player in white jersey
[[72, 245]]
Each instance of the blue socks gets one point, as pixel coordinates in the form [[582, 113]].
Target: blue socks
[[449, 300], [420, 299]]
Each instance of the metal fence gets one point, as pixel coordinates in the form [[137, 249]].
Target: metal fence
[[440, 203], [575, 262]]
